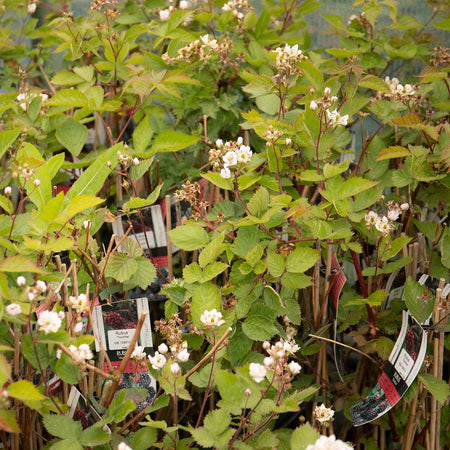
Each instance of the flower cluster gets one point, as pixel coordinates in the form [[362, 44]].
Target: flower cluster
[[336, 119], [398, 91], [108, 7], [81, 354], [277, 360], [440, 57], [323, 414], [238, 8], [32, 292], [201, 49], [24, 171], [212, 319], [125, 158], [191, 193], [329, 443], [325, 103], [164, 14], [286, 61], [232, 153], [385, 224], [50, 321], [24, 98], [272, 135], [80, 303]]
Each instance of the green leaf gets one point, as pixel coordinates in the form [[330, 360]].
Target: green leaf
[[24, 391], [374, 299], [211, 251], [259, 201], [394, 247], [18, 263], [6, 204], [275, 264], [437, 387], [301, 259], [394, 151], [144, 438], [295, 280], [330, 170], [145, 273], [66, 370], [418, 299], [172, 141], [212, 270], [7, 138], [119, 408], [142, 135], [121, 267], [303, 436], [269, 103], [66, 78], [217, 180], [388, 268], [354, 186], [62, 427], [93, 436], [85, 72], [254, 255], [206, 297], [239, 347], [136, 202], [72, 135], [375, 83], [8, 421], [189, 237], [258, 327], [91, 181], [192, 273], [68, 98], [67, 444], [82, 202]]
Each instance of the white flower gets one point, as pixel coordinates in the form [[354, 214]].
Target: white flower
[[58, 353], [136, 161], [175, 369], [86, 224], [226, 7], [268, 362], [80, 304], [164, 14], [13, 309], [31, 296], [212, 319], [41, 286], [162, 348], [21, 281], [61, 315], [7, 190], [294, 367], [31, 8], [239, 140], [230, 158], [219, 143], [158, 361], [123, 446], [49, 321], [371, 218], [383, 226], [138, 353], [352, 18], [244, 154], [336, 118], [288, 141], [248, 392], [393, 214], [44, 97], [205, 39], [184, 4], [78, 328], [225, 173], [313, 105], [257, 372], [329, 443], [327, 91], [37, 182], [334, 98], [266, 345], [81, 353], [404, 206], [183, 355]]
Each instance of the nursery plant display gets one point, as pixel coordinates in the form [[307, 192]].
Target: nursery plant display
[[215, 235]]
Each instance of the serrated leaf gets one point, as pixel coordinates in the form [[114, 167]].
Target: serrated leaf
[[136, 202], [211, 251], [8, 421], [192, 273], [7, 138], [295, 280], [331, 170], [82, 202], [301, 259], [259, 201], [63, 427], [394, 151], [437, 387], [206, 297], [258, 328], [217, 180], [85, 72], [419, 300], [144, 438], [142, 135], [211, 271], [18, 263], [6, 204], [275, 264], [66, 78], [121, 267], [375, 83], [91, 181], [172, 141], [25, 391], [145, 274], [68, 98], [93, 436], [374, 299], [388, 268], [189, 237], [354, 186], [303, 436], [72, 135], [408, 120]]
